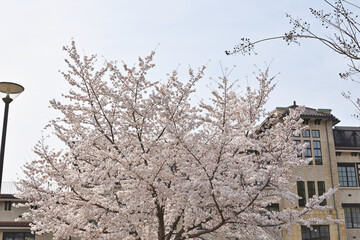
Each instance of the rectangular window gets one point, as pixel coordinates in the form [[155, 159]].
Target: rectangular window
[[352, 215], [7, 206], [299, 154], [306, 133], [319, 232], [347, 175], [274, 207], [307, 152], [200, 227], [18, 236], [301, 193], [317, 153], [295, 134], [311, 189], [321, 191], [315, 133]]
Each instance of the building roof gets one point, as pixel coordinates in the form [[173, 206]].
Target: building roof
[[311, 112], [314, 113], [14, 224], [320, 113], [7, 196], [347, 138]]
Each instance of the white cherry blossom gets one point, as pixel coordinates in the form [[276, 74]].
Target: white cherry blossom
[[141, 162]]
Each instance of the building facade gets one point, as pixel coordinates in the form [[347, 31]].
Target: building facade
[[335, 154], [9, 229]]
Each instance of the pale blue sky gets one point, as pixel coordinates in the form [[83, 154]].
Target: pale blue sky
[[190, 32]]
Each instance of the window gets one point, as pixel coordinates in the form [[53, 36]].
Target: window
[[200, 227], [315, 133], [18, 236], [338, 153], [347, 175], [306, 133], [317, 153], [321, 191], [301, 193], [354, 154], [33, 207], [307, 152], [352, 216], [311, 189], [299, 154], [7, 206], [274, 207], [319, 232], [295, 134]]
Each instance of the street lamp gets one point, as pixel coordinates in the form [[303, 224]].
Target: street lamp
[[8, 92]]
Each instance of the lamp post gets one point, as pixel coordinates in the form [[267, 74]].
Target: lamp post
[[8, 92]]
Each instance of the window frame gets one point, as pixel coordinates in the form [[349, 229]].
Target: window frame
[[321, 190], [308, 151], [274, 207], [295, 135], [316, 233], [7, 206], [351, 207], [299, 152], [301, 191], [346, 176], [317, 152], [315, 135], [311, 188], [26, 235], [307, 135]]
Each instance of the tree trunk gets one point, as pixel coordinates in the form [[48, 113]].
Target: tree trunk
[[160, 215]]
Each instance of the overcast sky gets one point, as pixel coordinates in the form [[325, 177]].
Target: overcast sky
[[185, 32]]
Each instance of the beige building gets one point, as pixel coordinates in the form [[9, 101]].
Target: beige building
[[335, 152]]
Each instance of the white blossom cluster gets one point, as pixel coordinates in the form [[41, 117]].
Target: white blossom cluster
[[142, 163]]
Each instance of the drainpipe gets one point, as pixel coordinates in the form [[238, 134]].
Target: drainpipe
[[332, 177]]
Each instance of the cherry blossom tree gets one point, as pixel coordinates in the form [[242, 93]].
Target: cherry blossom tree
[[140, 162]]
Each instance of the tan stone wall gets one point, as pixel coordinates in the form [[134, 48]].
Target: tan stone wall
[[353, 233], [348, 194], [347, 158], [326, 172]]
